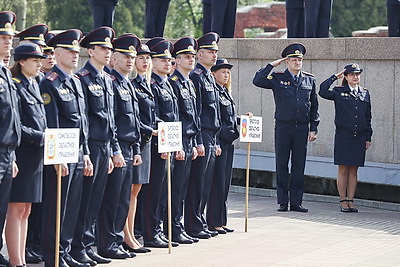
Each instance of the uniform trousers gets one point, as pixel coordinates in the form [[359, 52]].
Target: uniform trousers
[[206, 17], [156, 15], [115, 205], [393, 19], [92, 195], [295, 22], [217, 202], [290, 142], [71, 191], [200, 185], [151, 194], [7, 156], [179, 185], [317, 18], [103, 15], [223, 17]]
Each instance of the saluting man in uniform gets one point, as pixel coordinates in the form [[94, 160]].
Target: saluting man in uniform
[[65, 108], [210, 119], [296, 121], [115, 205], [185, 58], [10, 127], [98, 89]]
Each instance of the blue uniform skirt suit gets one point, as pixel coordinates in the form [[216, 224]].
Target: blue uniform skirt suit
[[27, 186], [352, 121]]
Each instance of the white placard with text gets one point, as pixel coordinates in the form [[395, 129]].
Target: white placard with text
[[169, 136], [61, 145], [250, 129]]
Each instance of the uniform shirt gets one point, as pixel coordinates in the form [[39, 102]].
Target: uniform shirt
[[99, 95], [146, 107], [10, 127], [229, 131], [207, 100], [184, 91], [295, 103], [166, 103], [126, 111], [64, 103], [352, 112], [31, 107]]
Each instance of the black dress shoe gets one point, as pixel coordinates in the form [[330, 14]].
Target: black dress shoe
[[73, 263], [200, 235], [163, 238], [96, 257], [62, 263], [211, 232], [282, 207], [30, 258], [85, 259], [156, 243], [219, 231], [353, 209], [34, 253], [181, 239], [135, 250], [228, 230], [114, 254], [298, 208], [194, 239]]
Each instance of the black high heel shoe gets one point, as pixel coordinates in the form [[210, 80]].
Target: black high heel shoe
[[352, 209], [344, 209]]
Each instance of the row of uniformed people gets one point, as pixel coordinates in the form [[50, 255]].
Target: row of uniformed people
[[118, 151]]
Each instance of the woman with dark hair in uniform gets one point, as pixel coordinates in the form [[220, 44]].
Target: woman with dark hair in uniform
[[141, 173], [217, 201], [353, 129], [27, 185]]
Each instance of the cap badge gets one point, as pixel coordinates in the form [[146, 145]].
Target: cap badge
[[75, 42], [354, 66], [214, 43], [107, 40], [132, 48], [167, 52], [38, 49], [190, 47], [144, 47], [8, 25], [41, 36], [297, 52]]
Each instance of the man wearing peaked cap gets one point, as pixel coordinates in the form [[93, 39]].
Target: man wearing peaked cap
[[35, 34], [65, 108], [49, 62], [296, 121], [153, 41], [166, 109], [185, 53], [210, 120], [105, 151], [10, 128], [115, 205]]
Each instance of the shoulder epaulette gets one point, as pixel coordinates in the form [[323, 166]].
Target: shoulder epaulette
[[76, 76], [339, 86], [109, 75], [278, 72], [365, 89], [152, 81], [174, 78], [51, 76], [83, 72], [307, 73], [198, 71], [16, 80]]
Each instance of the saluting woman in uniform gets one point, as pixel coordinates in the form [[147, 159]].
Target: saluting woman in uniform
[[141, 173], [217, 201], [353, 129], [27, 185]]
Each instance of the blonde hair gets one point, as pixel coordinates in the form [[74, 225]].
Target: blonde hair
[[147, 74], [228, 84]]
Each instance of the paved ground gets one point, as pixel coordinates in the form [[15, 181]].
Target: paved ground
[[322, 237]]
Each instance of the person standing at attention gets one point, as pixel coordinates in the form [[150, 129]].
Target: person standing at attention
[[353, 129], [296, 122]]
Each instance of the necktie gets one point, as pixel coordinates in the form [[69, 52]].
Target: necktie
[[296, 78]]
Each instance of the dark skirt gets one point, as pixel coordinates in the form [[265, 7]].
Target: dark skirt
[[349, 149], [141, 173], [27, 186]]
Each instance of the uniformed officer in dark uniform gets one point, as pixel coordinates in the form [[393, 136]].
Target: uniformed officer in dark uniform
[[296, 121], [65, 108], [210, 120], [184, 53], [115, 205], [206, 16], [317, 14], [166, 109], [10, 127], [103, 12], [393, 17], [156, 15], [223, 17], [295, 18], [49, 62], [98, 90]]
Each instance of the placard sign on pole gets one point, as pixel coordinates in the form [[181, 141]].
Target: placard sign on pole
[[60, 146], [250, 132], [169, 140]]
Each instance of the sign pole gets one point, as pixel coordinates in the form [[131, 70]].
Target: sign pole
[[58, 211], [247, 187], [169, 203]]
